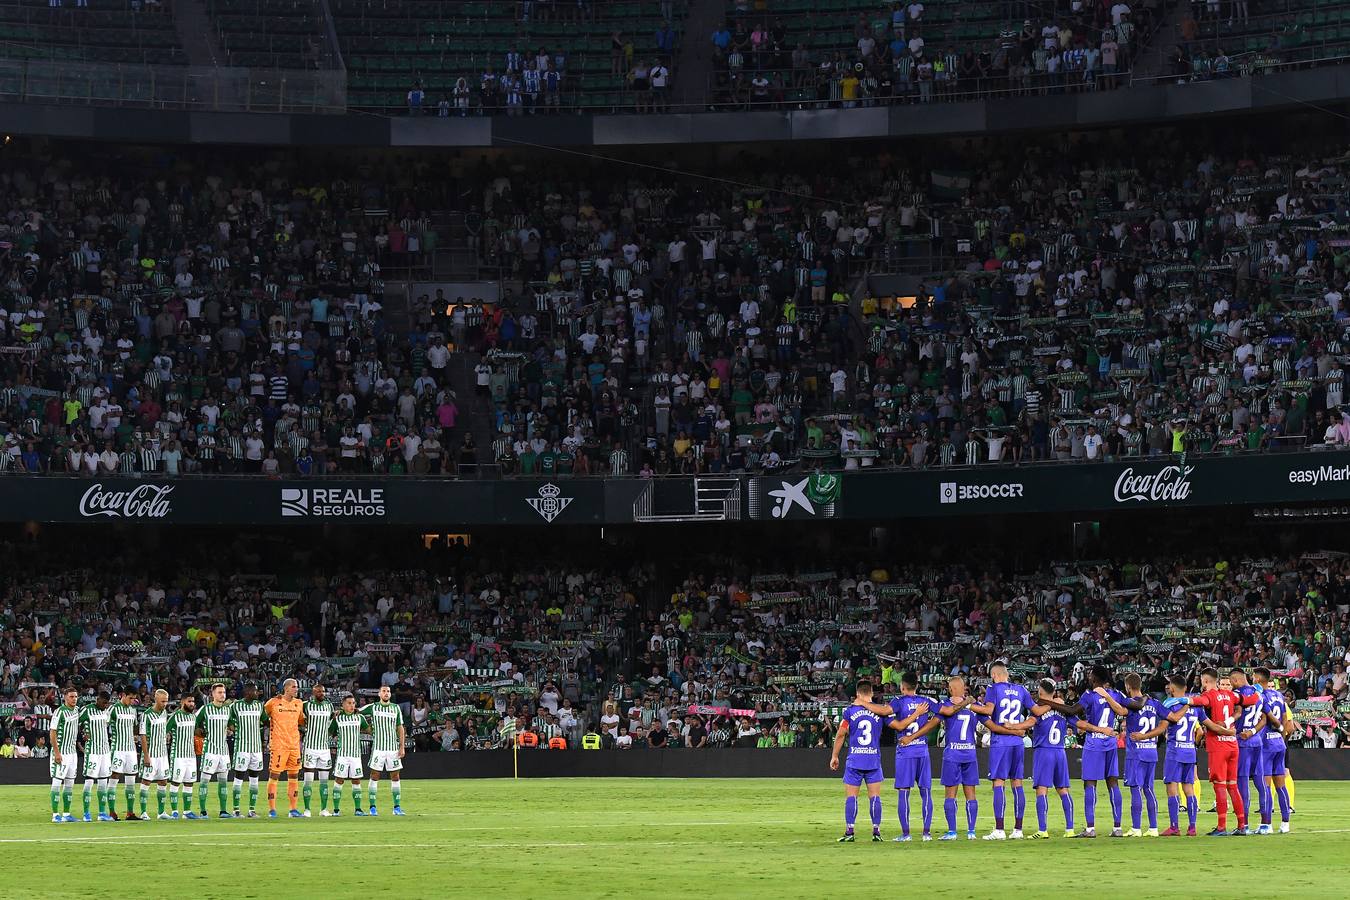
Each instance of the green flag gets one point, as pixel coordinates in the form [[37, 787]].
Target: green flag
[[823, 488]]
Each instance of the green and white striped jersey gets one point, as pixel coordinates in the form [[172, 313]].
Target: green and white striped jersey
[[318, 718], [384, 719], [214, 724], [247, 718], [155, 727], [66, 724], [125, 718], [95, 722], [348, 727], [184, 726]]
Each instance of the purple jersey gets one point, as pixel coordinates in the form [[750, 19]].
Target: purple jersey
[[903, 706], [1051, 731], [1011, 703], [958, 734], [1140, 721], [1098, 712], [864, 738], [1251, 718], [1272, 701], [1181, 735]]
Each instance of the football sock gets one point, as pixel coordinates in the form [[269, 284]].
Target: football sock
[[1090, 804], [160, 792], [1117, 803], [874, 810], [1019, 806], [903, 809], [271, 793], [926, 801], [1151, 804], [88, 789], [56, 796], [1174, 810], [1066, 800], [1239, 808], [252, 793], [397, 789], [972, 813], [998, 806], [309, 789], [1282, 794], [949, 809], [173, 797], [1042, 811], [850, 812], [323, 790], [238, 791], [292, 792], [1221, 805], [1136, 806], [1192, 810]]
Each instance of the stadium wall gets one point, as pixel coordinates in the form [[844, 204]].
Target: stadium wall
[[1313, 765], [1140, 484], [1158, 102]]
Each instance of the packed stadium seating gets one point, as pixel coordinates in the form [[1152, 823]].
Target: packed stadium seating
[[593, 46], [662, 331], [729, 655], [111, 31]]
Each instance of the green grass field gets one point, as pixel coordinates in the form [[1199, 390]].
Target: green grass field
[[666, 837]]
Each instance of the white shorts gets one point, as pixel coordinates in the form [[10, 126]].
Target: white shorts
[[215, 764], [385, 761], [98, 765], [124, 763], [184, 771], [68, 769], [317, 759], [348, 767], [156, 770], [248, 762]]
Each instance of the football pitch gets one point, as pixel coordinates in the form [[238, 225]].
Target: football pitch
[[610, 837]]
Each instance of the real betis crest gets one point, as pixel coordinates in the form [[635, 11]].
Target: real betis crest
[[823, 488]]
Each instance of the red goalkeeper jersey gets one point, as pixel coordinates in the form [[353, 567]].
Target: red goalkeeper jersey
[[1222, 706]]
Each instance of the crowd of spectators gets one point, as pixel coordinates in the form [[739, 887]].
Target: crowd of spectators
[[609, 655], [461, 642], [758, 656], [899, 59], [1097, 301], [1104, 298], [213, 317]]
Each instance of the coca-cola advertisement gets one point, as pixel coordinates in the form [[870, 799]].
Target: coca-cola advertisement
[[144, 501], [1168, 484]]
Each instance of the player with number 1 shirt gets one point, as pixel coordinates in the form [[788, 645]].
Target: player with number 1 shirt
[[1221, 748]]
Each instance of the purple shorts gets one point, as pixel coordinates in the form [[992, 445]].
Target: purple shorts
[[1272, 762], [1140, 772], [1177, 772], [1006, 761], [1099, 764], [913, 771], [854, 777], [954, 773], [1251, 762], [1050, 768]]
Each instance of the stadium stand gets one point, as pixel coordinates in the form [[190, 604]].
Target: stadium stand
[[729, 655], [666, 329], [110, 31], [484, 58], [854, 53]]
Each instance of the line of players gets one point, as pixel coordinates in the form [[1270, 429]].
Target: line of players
[[1244, 725], [157, 748]]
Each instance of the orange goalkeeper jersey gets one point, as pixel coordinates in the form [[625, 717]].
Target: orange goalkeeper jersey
[[285, 717]]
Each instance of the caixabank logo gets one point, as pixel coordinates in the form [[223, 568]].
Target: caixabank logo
[[332, 503], [812, 497]]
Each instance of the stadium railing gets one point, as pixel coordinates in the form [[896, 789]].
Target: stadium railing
[[173, 87]]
